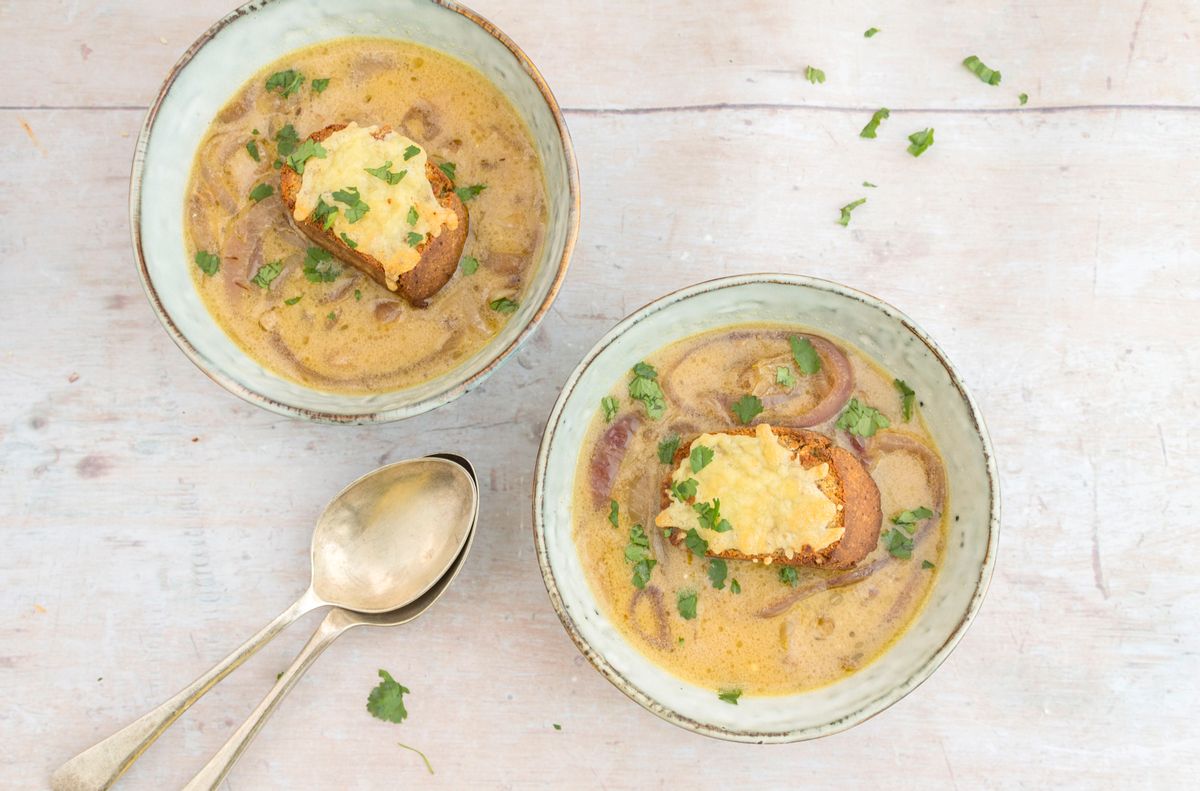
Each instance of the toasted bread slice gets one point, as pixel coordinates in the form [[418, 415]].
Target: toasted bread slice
[[847, 485], [439, 254]]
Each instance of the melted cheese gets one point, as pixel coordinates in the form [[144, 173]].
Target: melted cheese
[[770, 499], [383, 231]]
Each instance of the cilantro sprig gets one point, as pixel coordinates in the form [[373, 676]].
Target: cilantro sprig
[[862, 420], [386, 701], [644, 387]]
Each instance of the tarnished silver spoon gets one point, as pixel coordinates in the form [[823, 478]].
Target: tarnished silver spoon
[[384, 549]]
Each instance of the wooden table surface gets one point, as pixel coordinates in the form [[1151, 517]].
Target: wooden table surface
[[151, 520]]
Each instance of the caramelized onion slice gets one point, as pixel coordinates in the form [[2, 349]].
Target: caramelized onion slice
[[607, 456], [661, 639], [837, 366], [899, 441]]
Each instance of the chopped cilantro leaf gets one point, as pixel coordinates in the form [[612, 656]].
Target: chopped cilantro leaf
[[286, 140], [319, 266], [976, 67], [730, 696], [789, 576], [747, 408], [353, 245], [667, 448], [208, 263], [869, 184], [261, 191], [872, 126], [700, 457], [357, 295], [644, 387], [470, 265], [686, 602], [355, 206], [783, 377], [614, 512], [861, 420], [907, 398], [717, 571], [466, 193], [870, 32], [897, 543], [324, 214], [814, 75], [684, 490], [386, 700], [909, 519], [252, 150], [925, 564], [266, 273], [503, 305], [805, 355], [293, 300], [285, 82], [557, 727], [382, 172], [710, 516], [919, 142], [412, 215], [1023, 98], [411, 152], [637, 552], [448, 169], [304, 152], [844, 220], [320, 85], [697, 545], [610, 406], [735, 587], [413, 238]]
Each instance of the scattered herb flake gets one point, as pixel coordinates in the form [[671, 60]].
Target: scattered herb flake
[[355, 206], [614, 512], [293, 300], [411, 152], [695, 544], [209, 264], [610, 406], [872, 126], [286, 140], [353, 245], [730, 696], [814, 75], [448, 169], [637, 552], [428, 765], [685, 601], [789, 576], [304, 152], [285, 83], [805, 355], [710, 516], [331, 316], [324, 214], [466, 193], [319, 266], [897, 543], [1023, 99], [870, 32], [412, 215], [557, 727], [907, 398], [976, 67], [925, 564], [861, 420], [919, 142], [717, 571], [413, 238], [320, 85], [783, 377], [869, 184], [684, 490], [747, 408], [266, 273], [909, 519], [735, 587], [252, 150], [844, 220], [357, 295], [667, 448], [503, 305], [383, 173], [470, 265], [261, 191], [644, 387], [700, 457], [386, 701]]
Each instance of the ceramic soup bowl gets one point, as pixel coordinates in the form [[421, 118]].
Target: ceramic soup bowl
[[838, 312], [231, 52]]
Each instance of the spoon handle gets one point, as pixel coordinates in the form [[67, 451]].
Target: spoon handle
[[208, 778], [99, 766]]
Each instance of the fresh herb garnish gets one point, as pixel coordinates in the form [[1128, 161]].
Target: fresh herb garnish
[[209, 264], [319, 266], [466, 193], [614, 512], [919, 142], [412, 215], [320, 85], [789, 576], [413, 238], [411, 152], [353, 245], [1023, 98], [898, 541], [700, 457], [717, 571], [252, 150], [448, 169], [909, 519], [293, 300], [637, 552], [710, 516], [266, 273], [907, 398], [304, 152], [869, 184], [386, 701], [684, 490], [783, 376], [324, 214], [355, 206], [644, 387], [557, 727], [331, 316], [873, 125], [870, 32], [861, 420], [844, 220], [805, 355], [925, 564], [747, 407], [667, 448], [286, 140], [428, 765], [695, 544], [470, 265], [814, 75], [357, 295], [382, 172], [285, 82], [503, 305], [735, 587], [730, 696], [610, 406], [261, 191], [686, 602], [976, 67]]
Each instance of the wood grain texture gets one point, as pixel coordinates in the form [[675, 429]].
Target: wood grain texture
[[151, 521]]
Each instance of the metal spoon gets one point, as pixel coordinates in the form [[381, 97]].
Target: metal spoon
[[381, 543]]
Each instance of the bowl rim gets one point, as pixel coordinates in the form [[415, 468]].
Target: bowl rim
[[868, 710], [213, 372]]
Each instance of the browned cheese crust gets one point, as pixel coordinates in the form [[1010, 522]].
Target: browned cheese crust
[[439, 255], [848, 485]]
